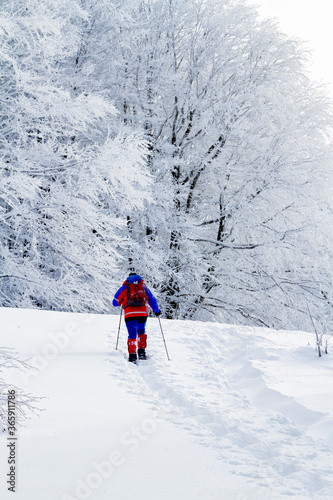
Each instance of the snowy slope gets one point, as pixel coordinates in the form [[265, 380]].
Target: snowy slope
[[237, 414]]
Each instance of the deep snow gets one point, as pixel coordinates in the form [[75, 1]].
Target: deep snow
[[237, 414]]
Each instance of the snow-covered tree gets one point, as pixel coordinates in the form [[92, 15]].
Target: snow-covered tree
[[66, 177], [203, 99], [238, 140]]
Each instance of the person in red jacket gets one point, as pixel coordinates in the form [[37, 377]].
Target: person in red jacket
[[134, 296]]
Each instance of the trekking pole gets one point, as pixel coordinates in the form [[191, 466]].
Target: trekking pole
[[163, 339], [121, 313]]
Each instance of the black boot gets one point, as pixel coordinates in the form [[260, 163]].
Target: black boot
[[132, 357], [142, 353]]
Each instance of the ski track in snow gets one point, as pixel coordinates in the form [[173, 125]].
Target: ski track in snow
[[214, 388]]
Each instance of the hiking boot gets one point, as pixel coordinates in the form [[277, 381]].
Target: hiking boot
[[142, 353], [132, 357]]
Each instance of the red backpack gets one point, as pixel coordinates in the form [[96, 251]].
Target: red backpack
[[136, 294]]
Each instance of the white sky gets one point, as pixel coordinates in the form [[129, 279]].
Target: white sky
[[310, 20]]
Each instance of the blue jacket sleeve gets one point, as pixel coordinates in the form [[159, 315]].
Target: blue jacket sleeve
[[115, 302], [152, 301]]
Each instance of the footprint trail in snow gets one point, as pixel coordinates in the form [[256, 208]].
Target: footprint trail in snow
[[215, 387]]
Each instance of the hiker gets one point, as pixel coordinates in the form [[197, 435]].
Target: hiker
[[134, 296]]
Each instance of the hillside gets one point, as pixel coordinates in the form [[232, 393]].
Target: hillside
[[237, 413]]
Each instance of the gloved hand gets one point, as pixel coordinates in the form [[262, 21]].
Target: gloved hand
[[158, 313]]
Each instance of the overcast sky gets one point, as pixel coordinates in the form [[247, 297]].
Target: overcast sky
[[310, 20]]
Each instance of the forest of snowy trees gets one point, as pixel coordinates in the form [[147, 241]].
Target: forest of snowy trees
[[182, 139]]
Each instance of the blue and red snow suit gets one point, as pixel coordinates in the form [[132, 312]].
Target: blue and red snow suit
[[135, 317]]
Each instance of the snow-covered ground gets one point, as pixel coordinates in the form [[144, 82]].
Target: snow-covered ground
[[236, 414]]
